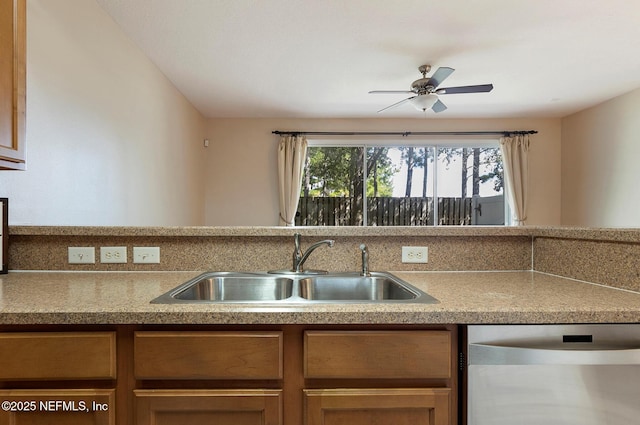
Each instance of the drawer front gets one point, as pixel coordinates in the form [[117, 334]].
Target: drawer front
[[377, 406], [220, 407], [57, 355], [377, 354], [208, 355]]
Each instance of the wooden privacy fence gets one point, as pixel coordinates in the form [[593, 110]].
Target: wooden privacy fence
[[382, 211]]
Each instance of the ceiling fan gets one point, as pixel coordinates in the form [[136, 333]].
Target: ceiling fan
[[425, 90]]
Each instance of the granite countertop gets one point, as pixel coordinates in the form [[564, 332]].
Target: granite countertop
[[609, 234], [465, 298]]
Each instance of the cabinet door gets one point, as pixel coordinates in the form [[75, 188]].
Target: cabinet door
[[12, 83], [57, 407], [392, 406], [206, 407]]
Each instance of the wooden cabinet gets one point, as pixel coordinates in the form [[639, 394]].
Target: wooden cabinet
[[208, 355], [204, 407], [229, 375], [12, 84], [223, 359], [57, 356], [377, 354], [380, 363], [34, 365], [393, 406]]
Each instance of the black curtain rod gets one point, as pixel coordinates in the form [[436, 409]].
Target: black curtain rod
[[403, 133]]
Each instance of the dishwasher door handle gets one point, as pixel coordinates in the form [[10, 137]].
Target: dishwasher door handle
[[485, 354]]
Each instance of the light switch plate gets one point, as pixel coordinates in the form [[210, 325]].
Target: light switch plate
[[146, 254], [81, 255]]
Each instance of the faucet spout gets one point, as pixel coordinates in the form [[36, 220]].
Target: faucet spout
[[299, 257]]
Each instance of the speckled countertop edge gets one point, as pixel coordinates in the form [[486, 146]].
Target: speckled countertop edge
[[275, 231], [604, 234], [465, 298]]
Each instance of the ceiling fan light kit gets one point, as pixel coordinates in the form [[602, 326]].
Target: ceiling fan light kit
[[424, 102], [425, 90]]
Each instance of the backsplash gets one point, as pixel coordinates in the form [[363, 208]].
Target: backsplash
[[611, 263], [604, 256], [246, 253]]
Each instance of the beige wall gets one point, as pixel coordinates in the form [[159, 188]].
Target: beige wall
[[600, 164], [110, 141], [242, 160]]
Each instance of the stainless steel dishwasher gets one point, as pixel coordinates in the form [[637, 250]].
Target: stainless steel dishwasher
[[553, 375]]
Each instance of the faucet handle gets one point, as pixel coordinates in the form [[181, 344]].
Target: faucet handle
[[365, 260]]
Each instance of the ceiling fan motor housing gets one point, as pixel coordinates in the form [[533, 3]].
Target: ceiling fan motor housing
[[422, 86]]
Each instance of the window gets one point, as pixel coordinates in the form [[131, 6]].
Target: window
[[379, 185]]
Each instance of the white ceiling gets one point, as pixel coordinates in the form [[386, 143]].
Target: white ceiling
[[319, 58]]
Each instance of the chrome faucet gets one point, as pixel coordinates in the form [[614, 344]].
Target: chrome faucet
[[365, 260], [300, 257]]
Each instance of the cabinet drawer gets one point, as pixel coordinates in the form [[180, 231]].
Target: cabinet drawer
[[208, 355], [57, 355], [377, 354], [220, 407]]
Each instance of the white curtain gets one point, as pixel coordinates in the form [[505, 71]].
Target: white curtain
[[292, 151], [515, 154]]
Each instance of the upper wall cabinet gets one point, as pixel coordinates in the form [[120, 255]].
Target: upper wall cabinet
[[12, 84]]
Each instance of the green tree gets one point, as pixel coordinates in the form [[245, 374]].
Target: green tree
[[380, 172], [492, 157], [424, 158], [416, 157], [488, 159], [411, 158], [328, 172], [338, 171]]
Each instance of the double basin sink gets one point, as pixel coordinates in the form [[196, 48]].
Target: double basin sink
[[279, 289]]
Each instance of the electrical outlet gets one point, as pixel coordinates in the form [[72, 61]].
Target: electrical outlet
[[81, 255], [146, 254], [415, 254], [113, 254]]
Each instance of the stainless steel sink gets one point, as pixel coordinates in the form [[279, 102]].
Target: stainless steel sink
[[351, 288], [229, 287], [267, 288]]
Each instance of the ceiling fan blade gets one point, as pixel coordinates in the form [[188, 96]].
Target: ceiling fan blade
[[440, 75], [390, 91], [438, 106], [483, 88], [396, 104]]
